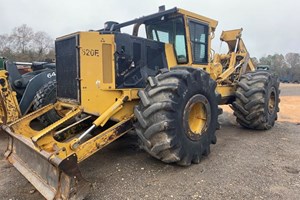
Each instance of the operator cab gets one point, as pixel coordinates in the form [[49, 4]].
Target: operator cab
[[189, 33]]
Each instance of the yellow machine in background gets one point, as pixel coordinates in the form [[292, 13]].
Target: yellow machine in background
[[9, 108], [168, 84]]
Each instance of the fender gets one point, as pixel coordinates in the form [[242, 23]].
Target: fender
[[33, 86]]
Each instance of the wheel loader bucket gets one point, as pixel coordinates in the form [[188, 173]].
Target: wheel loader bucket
[[50, 163]]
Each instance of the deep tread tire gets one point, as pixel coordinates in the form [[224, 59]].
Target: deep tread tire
[[45, 96], [251, 106], [161, 124]]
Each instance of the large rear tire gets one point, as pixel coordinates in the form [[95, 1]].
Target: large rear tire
[[178, 115], [46, 95], [257, 99]]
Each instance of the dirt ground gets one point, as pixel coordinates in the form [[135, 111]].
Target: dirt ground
[[244, 164]]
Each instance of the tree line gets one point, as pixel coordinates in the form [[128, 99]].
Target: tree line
[[286, 67], [24, 44]]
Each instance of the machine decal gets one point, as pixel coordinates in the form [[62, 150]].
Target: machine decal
[[50, 75], [90, 52]]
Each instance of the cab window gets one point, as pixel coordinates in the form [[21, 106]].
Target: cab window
[[170, 31], [199, 42]]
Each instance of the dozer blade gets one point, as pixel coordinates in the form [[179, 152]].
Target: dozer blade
[[60, 179], [53, 177], [51, 164]]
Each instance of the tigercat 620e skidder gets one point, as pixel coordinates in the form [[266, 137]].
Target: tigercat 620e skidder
[[166, 86]]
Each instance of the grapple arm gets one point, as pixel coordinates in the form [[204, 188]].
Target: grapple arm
[[237, 59]]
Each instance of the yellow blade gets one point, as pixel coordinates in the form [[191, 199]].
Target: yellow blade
[[53, 178]]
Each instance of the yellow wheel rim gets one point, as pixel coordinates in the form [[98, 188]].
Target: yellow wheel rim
[[197, 116]]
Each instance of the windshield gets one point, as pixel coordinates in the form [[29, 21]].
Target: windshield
[[170, 31]]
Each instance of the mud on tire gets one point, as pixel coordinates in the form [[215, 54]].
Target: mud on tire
[[257, 99], [45, 96], [168, 111]]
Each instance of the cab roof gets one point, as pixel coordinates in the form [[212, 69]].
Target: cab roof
[[164, 13]]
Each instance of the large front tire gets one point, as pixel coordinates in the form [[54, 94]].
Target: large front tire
[[257, 99], [178, 115]]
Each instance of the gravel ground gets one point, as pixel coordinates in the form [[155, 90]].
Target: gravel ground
[[244, 164]]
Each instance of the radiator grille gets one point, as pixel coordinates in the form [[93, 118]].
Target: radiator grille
[[67, 68]]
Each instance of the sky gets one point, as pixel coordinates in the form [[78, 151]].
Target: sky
[[269, 26]]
